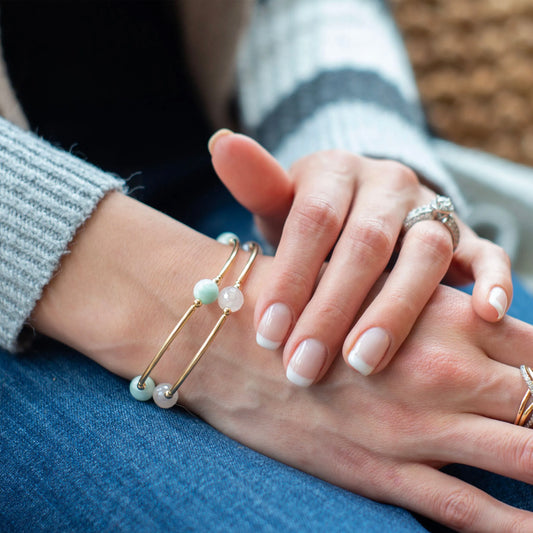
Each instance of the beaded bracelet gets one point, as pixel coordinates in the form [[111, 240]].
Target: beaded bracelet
[[230, 300]]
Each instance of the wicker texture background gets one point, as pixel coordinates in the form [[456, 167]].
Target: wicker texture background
[[473, 60]]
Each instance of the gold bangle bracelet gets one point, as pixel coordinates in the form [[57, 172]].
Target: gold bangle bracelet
[[230, 300]]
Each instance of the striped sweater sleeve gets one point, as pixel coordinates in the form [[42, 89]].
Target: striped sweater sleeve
[[320, 74], [45, 195]]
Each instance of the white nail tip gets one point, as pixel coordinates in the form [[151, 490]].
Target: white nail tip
[[295, 378], [266, 343], [498, 300], [358, 364]]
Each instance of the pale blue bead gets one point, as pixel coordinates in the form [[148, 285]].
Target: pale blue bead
[[144, 394], [225, 237], [206, 290]]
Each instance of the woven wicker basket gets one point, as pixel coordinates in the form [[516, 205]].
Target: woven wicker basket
[[473, 60]]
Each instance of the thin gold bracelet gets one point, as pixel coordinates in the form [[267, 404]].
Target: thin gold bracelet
[[230, 300]]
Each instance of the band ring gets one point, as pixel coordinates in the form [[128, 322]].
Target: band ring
[[525, 411], [441, 209]]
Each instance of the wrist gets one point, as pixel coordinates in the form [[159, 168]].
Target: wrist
[[126, 281]]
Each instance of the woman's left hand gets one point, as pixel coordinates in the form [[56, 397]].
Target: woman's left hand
[[352, 209]]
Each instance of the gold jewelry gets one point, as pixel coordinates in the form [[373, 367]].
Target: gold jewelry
[[529, 371], [230, 299], [523, 417], [522, 408], [526, 415]]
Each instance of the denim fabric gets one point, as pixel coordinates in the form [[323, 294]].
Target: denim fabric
[[79, 454]]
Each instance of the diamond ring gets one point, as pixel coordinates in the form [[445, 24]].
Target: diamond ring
[[441, 209]]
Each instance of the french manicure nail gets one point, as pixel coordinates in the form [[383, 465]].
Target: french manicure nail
[[498, 300], [215, 137], [306, 362], [369, 350], [274, 326]]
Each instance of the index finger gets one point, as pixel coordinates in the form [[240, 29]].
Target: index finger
[[323, 198]]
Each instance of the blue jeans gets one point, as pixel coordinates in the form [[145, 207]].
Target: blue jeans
[[78, 454]]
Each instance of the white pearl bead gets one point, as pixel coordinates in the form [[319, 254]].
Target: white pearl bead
[[232, 298], [161, 399]]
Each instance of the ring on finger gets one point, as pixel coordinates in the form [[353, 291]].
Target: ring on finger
[[441, 208], [524, 416]]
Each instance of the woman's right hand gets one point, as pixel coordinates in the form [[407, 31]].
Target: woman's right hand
[[449, 396]]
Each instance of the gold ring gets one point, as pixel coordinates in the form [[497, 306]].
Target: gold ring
[[523, 416]]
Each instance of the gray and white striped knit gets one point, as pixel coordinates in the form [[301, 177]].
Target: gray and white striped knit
[[320, 74], [45, 195]]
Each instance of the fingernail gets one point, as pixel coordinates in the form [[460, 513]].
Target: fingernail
[[306, 362], [215, 137], [369, 350], [498, 300], [274, 326]]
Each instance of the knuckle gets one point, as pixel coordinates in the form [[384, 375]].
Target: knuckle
[[436, 370], [317, 215], [336, 315], [400, 176], [295, 284], [458, 509], [520, 523], [400, 303], [335, 161], [371, 241]]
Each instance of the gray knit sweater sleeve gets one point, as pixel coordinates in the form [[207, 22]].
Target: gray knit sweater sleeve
[[45, 195], [320, 74]]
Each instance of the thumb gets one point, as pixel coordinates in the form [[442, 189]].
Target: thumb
[[254, 178]]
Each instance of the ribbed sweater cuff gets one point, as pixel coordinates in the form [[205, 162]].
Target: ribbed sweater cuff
[[46, 195]]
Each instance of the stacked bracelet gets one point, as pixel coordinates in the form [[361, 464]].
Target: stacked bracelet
[[230, 300]]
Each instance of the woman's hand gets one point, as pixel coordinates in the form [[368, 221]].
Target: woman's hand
[[448, 397], [350, 208]]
